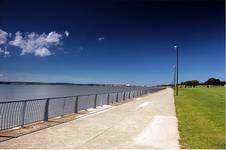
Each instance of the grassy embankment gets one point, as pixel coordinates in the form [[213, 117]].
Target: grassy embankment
[[201, 115]]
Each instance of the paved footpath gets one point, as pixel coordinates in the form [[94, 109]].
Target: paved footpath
[[148, 122]]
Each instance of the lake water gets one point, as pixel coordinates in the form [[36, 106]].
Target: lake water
[[20, 92]]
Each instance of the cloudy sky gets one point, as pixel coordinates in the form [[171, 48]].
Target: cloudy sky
[[114, 41]]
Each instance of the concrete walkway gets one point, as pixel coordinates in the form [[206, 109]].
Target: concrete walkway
[[147, 122]]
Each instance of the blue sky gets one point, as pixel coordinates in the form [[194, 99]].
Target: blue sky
[[111, 41]]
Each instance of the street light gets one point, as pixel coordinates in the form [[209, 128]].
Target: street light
[[176, 48], [174, 77]]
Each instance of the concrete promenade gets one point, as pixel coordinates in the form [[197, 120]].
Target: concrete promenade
[[148, 122]]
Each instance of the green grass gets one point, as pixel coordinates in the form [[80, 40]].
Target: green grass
[[201, 115]]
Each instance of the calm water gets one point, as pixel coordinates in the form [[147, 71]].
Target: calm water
[[18, 92]]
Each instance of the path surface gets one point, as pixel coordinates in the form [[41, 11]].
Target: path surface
[[146, 122]]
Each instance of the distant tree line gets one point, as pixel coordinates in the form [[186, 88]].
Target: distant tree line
[[191, 83], [210, 81]]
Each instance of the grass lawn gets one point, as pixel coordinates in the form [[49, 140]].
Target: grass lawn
[[201, 115]]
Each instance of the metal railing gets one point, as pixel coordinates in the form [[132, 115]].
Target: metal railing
[[19, 113]]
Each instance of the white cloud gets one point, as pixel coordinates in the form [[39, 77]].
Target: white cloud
[[53, 38], [3, 37], [10, 34], [100, 38], [1, 75], [31, 43], [7, 53], [18, 41], [1, 50], [37, 44], [4, 52], [66, 33], [42, 52]]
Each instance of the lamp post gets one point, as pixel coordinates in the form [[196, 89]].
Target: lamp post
[[174, 77], [176, 48]]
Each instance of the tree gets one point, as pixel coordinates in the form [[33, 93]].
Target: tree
[[223, 83], [192, 83], [201, 83], [187, 83], [213, 81]]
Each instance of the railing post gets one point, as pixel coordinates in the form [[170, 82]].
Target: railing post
[[64, 106], [108, 97], [76, 104], [124, 96], [102, 99], [23, 113], [95, 101], [46, 113], [117, 97]]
